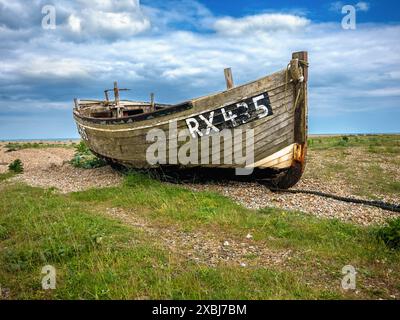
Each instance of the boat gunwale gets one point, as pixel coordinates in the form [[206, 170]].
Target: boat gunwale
[[183, 106]]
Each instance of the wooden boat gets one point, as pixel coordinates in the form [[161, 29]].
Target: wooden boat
[[273, 108]]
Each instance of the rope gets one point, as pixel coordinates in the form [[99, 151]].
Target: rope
[[374, 203], [298, 88]]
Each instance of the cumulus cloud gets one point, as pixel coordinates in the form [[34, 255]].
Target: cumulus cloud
[[259, 23], [107, 18], [360, 6], [350, 71], [100, 24], [78, 20]]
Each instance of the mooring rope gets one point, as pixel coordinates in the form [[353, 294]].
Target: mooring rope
[[374, 203]]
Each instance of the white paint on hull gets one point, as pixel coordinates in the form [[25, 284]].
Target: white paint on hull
[[279, 160]]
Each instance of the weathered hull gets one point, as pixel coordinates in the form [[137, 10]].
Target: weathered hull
[[273, 109]]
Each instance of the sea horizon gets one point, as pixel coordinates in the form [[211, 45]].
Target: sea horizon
[[309, 135]]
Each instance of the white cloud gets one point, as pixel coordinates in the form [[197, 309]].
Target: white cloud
[[336, 6], [384, 92], [350, 71], [43, 67], [259, 23], [107, 19], [74, 23], [79, 20], [362, 6], [92, 23]]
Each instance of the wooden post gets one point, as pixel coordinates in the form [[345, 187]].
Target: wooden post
[[152, 101], [228, 78], [106, 94], [117, 101], [116, 93], [294, 173], [300, 132], [76, 103], [302, 55]]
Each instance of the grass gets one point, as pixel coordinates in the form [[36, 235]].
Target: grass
[[373, 143], [361, 161], [85, 159], [16, 166], [15, 146], [97, 257], [7, 175]]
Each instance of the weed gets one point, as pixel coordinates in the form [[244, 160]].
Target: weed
[[16, 166], [84, 158], [390, 233]]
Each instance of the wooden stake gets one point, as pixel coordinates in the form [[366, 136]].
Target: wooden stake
[[117, 104], [303, 56], [152, 101], [76, 103], [116, 93], [228, 78]]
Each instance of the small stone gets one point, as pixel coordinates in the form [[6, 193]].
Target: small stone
[[242, 264], [226, 243], [249, 236]]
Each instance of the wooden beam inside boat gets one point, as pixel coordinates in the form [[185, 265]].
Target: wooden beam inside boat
[[228, 78], [76, 102], [152, 101], [116, 93]]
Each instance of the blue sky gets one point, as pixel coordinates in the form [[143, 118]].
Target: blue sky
[[178, 49]]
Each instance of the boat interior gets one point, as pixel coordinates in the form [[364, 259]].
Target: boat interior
[[109, 109], [116, 108]]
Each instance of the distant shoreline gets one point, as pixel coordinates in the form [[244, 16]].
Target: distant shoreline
[[314, 135], [42, 140]]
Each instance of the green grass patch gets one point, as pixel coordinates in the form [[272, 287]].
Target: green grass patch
[[84, 158], [97, 257], [16, 166], [5, 176], [390, 233], [15, 146], [359, 160], [373, 143]]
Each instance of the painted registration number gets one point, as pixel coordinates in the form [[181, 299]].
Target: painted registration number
[[230, 116]]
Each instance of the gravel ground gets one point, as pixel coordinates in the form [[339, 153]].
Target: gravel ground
[[256, 196], [50, 168], [207, 248]]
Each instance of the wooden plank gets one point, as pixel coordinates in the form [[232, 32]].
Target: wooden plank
[[228, 78]]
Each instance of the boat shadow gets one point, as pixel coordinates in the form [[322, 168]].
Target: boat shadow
[[202, 175]]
